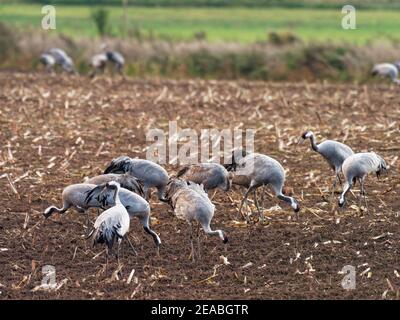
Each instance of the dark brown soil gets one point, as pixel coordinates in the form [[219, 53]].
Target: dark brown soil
[[69, 118]]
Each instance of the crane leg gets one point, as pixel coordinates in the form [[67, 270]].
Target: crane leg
[[198, 242], [212, 197], [362, 194], [107, 253], [191, 243], [260, 212], [243, 201], [147, 193], [131, 245]]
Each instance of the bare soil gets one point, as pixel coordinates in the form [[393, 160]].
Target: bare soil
[[57, 130]]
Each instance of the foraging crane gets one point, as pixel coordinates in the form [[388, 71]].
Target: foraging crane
[[126, 181], [48, 61], [387, 70], [210, 175], [112, 224], [134, 204], [254, 170], [148, 172], [334, 153], [357, 167], [117, 60], [191, 203], [62, 59], [98, 63], [83, 196]]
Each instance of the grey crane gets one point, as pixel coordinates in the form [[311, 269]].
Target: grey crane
[[114, 57], [117, 60], [357, 167], [210, 175], [387, 70], [134, 204], [113, 223], [126, 181], [191, 203], [253, 170], [83, 196], [334, 153], [149, 173], [98, 62], [48, 61], [62, 59]]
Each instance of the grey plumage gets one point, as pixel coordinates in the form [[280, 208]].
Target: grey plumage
[[60, 58], [357, 167], [112, 224], [83, 196], [48, 61], [126, 181], [116, 59], [191, 203], [387, 70], [333, 152], [134, 204], [148, 172], [255, 170], [210, 175], [98, 63]]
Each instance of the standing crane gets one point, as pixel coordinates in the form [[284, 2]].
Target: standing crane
[[191, 203], [334, 153], [357, 167], [254, 170], [112, 224]]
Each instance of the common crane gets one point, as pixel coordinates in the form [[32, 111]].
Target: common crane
[[191, 203], [357, 167]]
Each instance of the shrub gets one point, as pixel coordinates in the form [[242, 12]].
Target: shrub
[[100, 17]]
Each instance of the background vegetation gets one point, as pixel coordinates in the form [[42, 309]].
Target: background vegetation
[[211, 38]]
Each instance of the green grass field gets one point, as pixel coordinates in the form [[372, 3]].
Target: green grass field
[[228, 24]]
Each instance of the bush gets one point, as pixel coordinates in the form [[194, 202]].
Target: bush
[[100, 17], [8, 43]]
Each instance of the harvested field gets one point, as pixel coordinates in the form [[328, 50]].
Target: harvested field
[[57, 130]]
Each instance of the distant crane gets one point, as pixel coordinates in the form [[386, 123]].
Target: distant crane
[[48, 61], [117, 60], [98, 63], [334, 153], [191, 203], [112, 224], [357, 167], [254, 170], [56, 56], [387, 70], [149, 173]]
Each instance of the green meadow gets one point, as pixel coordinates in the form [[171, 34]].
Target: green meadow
[[244, 25]]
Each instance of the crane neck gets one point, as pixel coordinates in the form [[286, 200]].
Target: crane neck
[[117, 199], [314, 144]]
